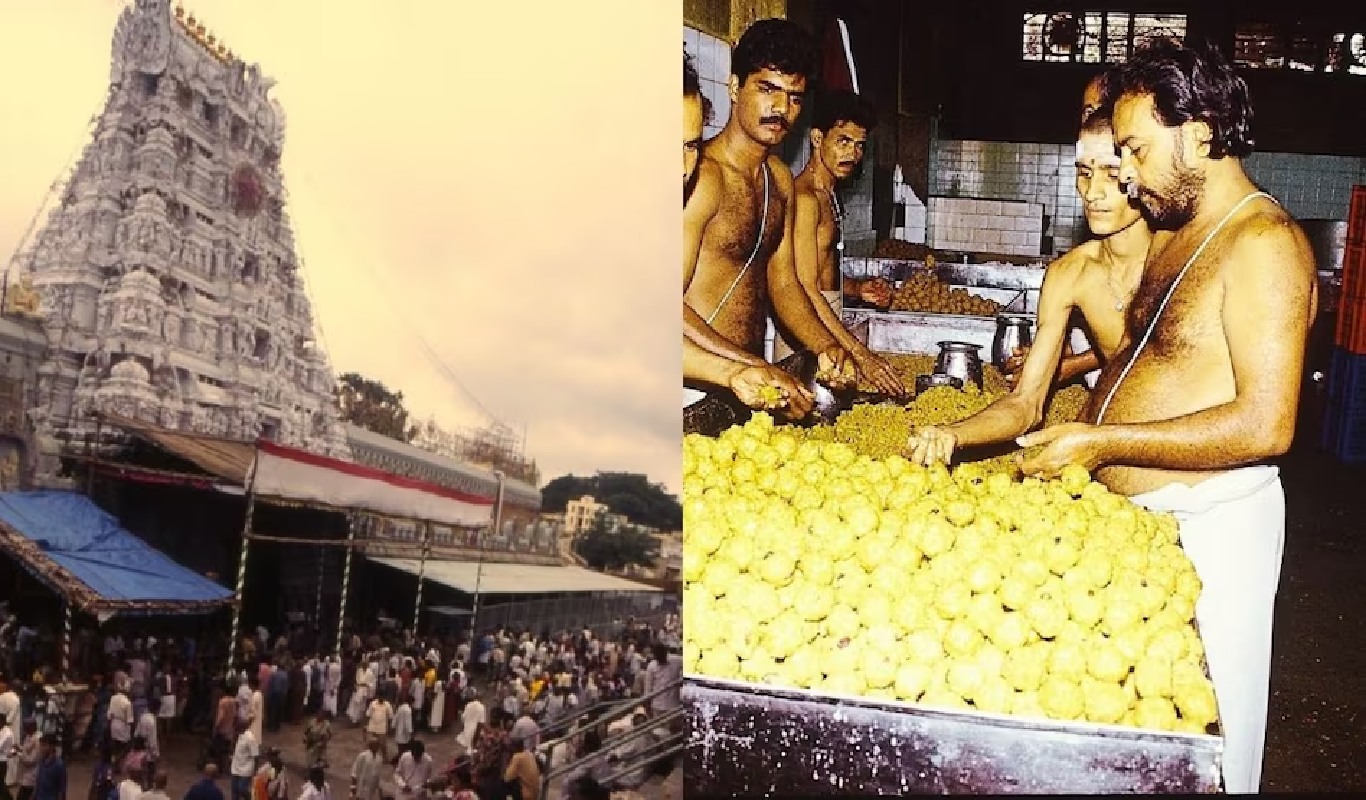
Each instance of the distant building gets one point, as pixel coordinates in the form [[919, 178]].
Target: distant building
[[669, 564], [524, 536], [580, 515]]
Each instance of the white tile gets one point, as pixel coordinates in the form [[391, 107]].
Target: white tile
[[720, 112], [709, 58], [690, 40], [986, 236]]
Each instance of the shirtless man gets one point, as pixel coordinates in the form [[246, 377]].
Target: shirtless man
[[745, 375], [839, 130], [1097, 278], [1205, 389], [1077, 358], [737, 226]]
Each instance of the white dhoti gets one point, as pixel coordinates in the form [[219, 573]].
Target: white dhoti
[[781, 349], [1233, 530]]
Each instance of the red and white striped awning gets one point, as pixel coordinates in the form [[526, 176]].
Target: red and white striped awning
[[291, 474]]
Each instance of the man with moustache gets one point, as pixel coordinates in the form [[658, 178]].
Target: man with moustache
[[707, 356], [737, 226], [1097, 278], [1205, 390], [839, 131]]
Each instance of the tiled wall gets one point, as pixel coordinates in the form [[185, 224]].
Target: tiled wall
[[985, 226], [712, 58], [1310, 186]]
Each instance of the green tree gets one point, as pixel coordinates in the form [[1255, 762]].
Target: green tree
[[603, 549], [627, 493], [372, 405]]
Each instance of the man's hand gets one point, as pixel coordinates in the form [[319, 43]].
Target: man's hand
[[1071, 443], [1014, 364], [878, 372], [875, 291], [932, 445], [835, 367], [769, 388]]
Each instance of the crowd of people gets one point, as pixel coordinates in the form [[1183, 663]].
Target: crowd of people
[[507, 700]]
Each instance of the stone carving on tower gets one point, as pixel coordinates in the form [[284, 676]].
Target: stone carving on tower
[[166, 274]]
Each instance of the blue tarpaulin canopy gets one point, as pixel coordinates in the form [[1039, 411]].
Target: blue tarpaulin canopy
[[74, 546]]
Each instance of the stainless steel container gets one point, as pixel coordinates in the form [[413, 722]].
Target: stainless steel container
[[924, 382], [1012, 333], [961, 360]]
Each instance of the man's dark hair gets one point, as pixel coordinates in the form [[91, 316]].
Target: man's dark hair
[[832, 108], [692, 85], [1097, 122], [775, 44], [692, 82], [1186, 84]]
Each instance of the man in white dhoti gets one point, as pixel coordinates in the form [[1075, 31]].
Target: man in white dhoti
[[332, 685], [1205, 391], [437, 717], [470, 719], [366, 771]]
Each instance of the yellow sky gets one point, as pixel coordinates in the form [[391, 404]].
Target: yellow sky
[[491, 175]]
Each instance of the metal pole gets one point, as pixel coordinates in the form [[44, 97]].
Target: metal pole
[[66, 640], [318, 606], [421, 574], [479, 571], [346, 578], [242, 568]]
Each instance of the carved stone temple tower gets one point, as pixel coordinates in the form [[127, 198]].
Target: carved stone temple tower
[[166, 272]]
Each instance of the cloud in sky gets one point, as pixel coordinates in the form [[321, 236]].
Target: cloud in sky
[[488, 177]]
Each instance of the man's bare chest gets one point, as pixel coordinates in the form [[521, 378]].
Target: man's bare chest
[[749, 225], [1176, 307]]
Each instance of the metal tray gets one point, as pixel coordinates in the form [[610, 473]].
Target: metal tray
[[750, 740], [995, 274], [917, 332]]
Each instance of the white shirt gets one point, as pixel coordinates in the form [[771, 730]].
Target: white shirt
[[380, 717], [129, 789], [244, 756], [147, 729], [312, 792], [403, 724], [6, 746], [243, 701], [9, 707], [411, 774], [120, 717]]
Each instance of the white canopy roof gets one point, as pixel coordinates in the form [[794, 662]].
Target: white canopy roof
[[501, 578]]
